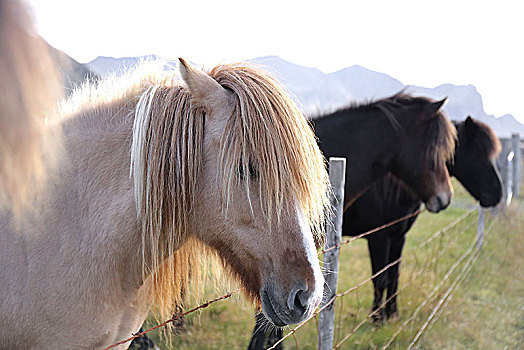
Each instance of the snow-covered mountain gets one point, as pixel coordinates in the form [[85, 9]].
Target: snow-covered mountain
[[317, 91], [108, 65]]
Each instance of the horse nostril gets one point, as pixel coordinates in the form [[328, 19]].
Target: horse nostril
[[300, 303], [440, 202], [299, 298]]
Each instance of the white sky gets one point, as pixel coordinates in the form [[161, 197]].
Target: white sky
[[418, 42]]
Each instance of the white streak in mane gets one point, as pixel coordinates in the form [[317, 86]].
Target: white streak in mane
[[140, 126]]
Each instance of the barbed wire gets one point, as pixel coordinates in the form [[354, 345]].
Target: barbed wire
[[447, 227], [367, 233], [172, 319], [405, 217], [413, 277], [432, 293], [435, 313]]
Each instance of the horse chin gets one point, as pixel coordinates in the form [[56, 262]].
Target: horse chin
[[269, 310], [487, 201]]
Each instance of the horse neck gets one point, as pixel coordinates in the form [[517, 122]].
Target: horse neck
[[366, 138], [96, 193]]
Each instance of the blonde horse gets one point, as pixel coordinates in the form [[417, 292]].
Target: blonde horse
[[29, 89], [151, 178]]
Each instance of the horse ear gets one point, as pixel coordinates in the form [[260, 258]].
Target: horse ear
[[205, 91], [469, 127], [433, 109]]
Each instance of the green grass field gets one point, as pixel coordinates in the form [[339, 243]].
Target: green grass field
[[485, 312]]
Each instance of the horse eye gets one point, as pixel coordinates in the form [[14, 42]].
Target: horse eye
[[253, 173]]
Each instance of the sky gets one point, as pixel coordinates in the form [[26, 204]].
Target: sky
[[424, 43]]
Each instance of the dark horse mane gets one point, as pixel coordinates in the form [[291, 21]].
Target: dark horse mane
[[483, 140], [440, 133]]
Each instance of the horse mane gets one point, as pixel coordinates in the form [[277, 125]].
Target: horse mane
[[265, 130], [438, 131], [485, 141], [388, 106], [29, 89]]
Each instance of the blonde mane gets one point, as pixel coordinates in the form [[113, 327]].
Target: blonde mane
[[265, 131]]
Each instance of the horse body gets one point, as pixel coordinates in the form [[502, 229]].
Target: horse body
[[82, 267], [60, 269], [387, 200]]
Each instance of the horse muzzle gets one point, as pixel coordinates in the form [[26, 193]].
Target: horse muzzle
[[438, 202], [292, 307], [487, 201]]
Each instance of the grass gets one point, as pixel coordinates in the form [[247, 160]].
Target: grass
[[486, 312]]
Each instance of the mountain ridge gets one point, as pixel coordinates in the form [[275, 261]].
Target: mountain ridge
[[317, 91]]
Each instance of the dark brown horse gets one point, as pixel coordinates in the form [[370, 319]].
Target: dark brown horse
[[407, 136]]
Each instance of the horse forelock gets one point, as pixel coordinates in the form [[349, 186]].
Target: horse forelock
[[439, 133], [484, 140], [442, 137], [268, 132]]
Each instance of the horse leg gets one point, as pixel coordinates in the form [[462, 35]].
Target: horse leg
[[263, 338], [397, 243], [378, 245]]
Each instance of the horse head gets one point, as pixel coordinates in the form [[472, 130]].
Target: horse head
[[425, 128], [474, 161], [261, 191]]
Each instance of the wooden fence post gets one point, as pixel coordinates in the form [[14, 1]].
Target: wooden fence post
[[503, 166], [509, 177], [326, 322], [480, 227], [515, 145]]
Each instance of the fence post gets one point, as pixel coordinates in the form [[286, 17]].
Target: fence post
[[326, 322], [502, 164], [509, 177], [515, 145], [480, 228]]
